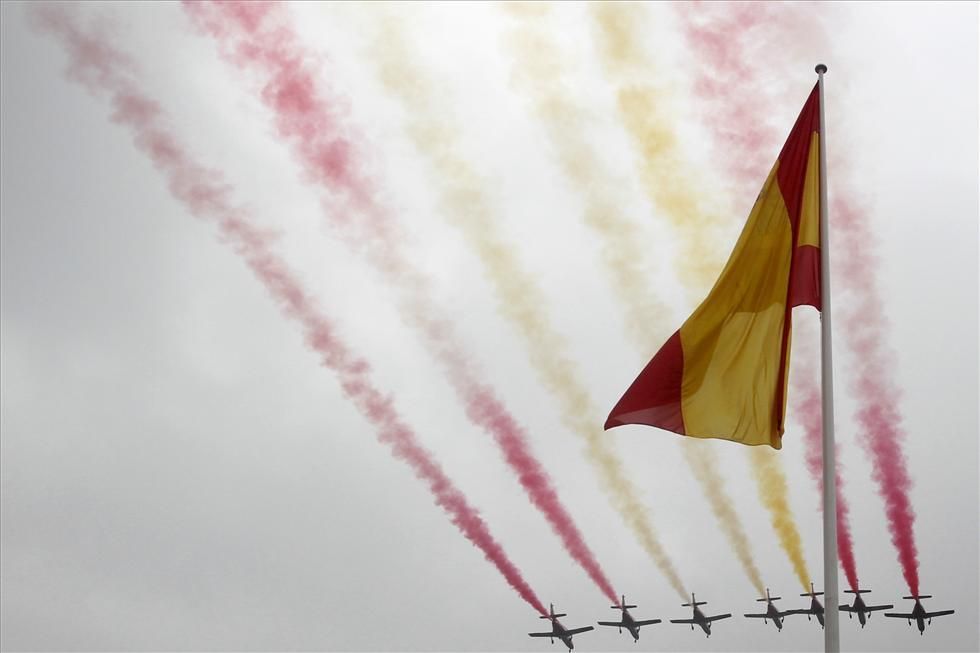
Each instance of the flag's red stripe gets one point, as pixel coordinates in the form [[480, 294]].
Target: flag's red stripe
[[804, 283], [791, 176], [654, 398]]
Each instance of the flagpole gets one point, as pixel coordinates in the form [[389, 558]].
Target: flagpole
[[831, 637]]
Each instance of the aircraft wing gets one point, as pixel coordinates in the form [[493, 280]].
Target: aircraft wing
[[717, 617], [576, 631], [789, 612], [847, 608], [647, 622], [620, 624], [899, 615], [682, 621], [757, 616], [873, 608], [541, 634], [941, 613]]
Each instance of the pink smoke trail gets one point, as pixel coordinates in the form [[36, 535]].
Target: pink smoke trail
[[879, 414], [726, 84], [807, 406], [739, 45], [736, 97], [106, 72], [258, 38]]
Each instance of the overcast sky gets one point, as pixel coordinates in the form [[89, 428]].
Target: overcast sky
[[179, 473]]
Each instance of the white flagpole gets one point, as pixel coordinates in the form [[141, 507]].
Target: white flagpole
[[831, 637]]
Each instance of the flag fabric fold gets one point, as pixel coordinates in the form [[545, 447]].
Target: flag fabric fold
[[723, 373]]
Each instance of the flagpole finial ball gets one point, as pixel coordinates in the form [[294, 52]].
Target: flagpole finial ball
[[821, 69]]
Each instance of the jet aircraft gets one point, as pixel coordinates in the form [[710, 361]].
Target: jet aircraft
[[559, 631], [626, 620], [815, 609], [919, 613], [698, 617], [863, 611], [771, 611]]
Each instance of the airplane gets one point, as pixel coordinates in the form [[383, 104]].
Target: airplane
[[815, 609], [863, 611], [919, 613], [627, 621], [559, 631], [771, 612], [699, 618]]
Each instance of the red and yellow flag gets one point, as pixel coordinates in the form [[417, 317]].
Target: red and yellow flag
[[723, 373]]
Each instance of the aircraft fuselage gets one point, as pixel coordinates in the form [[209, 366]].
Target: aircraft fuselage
[[630, 625], [701, 621], [919, 614], [774, 615], [562, 634], [861, 608], [817, 610]]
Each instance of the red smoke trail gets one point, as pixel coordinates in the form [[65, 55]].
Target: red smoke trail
[[807, 406], [104, 71], [736, 102], [727, 85], [739, 45], [259, 39], [879, 414]]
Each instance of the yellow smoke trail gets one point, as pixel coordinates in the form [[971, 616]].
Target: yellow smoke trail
[[520, 299], [703, 462], [665, 173], [541, 72], [671, 186], [771, 482]]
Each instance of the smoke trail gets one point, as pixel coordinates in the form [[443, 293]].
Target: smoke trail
[[807, 406], [728, 85], [542, 73], [519, 296], [106, 72], [646, 112], [723, 34], [258, 39], [879, 415], [771, 483], [704, 464], [539, 71], [670, 185]]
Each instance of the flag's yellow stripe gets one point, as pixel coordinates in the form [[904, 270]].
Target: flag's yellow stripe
[[733, 341], [809, 233]]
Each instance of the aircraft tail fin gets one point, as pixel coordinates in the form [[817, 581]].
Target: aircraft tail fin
[[553, 615], [916, 597], [774, 598], [694, 602], [622, 604], [856, 591]]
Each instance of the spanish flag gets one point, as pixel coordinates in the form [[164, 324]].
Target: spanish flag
[[723, 373]]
